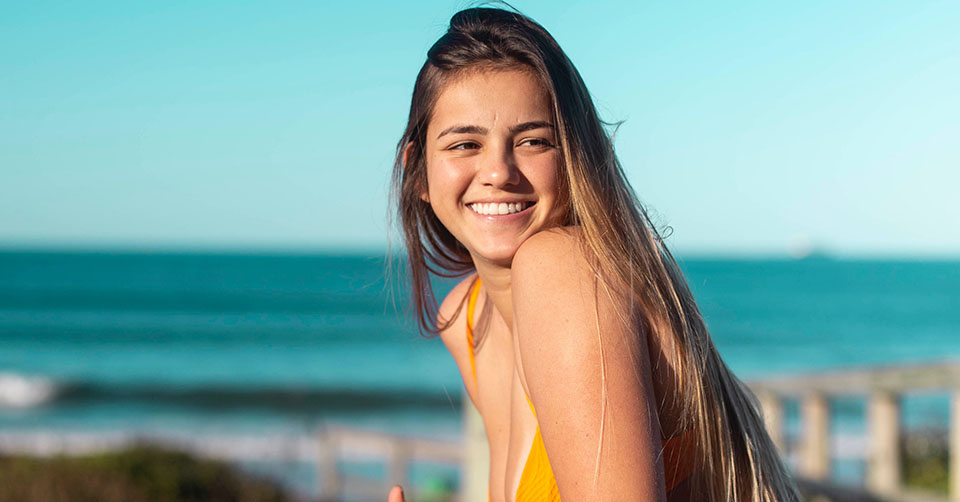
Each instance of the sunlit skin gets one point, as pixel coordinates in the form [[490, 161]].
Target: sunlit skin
[[492, 138]]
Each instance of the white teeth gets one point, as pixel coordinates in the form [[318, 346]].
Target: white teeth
[[498, 208]]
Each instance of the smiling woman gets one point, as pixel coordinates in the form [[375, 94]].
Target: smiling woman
[[575, 333], [494, 152]]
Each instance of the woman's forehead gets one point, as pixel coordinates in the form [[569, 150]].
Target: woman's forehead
[[492, 98]]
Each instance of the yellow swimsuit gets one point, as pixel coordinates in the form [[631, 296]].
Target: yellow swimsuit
[[537, 483]]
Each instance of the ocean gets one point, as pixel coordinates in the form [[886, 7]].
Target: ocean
[[205, 344]]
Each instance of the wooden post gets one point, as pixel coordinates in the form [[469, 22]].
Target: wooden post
[[954, 452], [399, 463], [815, 456], [476, 460], [328, 473], [883, 422], [772, 408]]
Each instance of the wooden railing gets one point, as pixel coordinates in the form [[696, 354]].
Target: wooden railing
[[398, 452], [328, 448], [883, 387]]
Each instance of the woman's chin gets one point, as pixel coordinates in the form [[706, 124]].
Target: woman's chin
[[501, 256]]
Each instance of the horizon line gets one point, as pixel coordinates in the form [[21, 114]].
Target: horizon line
[[819, 254]]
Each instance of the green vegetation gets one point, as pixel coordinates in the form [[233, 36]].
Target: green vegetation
[[138, 474], [924, 457], [148, 473]]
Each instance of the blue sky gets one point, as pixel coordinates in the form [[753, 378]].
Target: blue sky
[[750, 127]]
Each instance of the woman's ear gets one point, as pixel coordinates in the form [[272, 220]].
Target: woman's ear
[[424, 196], [406, 152]]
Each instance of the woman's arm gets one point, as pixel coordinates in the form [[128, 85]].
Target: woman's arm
[[570, 337], [455, 339]]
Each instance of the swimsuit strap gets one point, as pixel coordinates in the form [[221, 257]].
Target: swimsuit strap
[[531, 405], [471, 306]]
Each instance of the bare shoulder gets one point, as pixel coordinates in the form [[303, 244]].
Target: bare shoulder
[[550, 262], [586, 370], [554, 284], [545, 251], [453, 314], [555, 302], [554, 265]]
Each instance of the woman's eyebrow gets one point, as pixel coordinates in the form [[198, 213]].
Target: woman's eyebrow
[[474, 129], [463, 129], [529, 126]]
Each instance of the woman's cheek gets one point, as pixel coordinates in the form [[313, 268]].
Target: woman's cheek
[[450, 178]]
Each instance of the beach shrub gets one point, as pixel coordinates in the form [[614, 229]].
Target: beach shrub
[[139, 474], [924, 456]]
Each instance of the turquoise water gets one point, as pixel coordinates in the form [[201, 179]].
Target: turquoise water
[[771, 316], [226, 341], [262, 344]]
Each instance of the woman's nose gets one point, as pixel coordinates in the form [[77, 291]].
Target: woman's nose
[[499, 169]]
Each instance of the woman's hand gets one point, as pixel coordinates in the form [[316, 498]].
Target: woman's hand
[[396, 494]]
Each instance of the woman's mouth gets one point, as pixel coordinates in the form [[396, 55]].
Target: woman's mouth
[[499, 208]]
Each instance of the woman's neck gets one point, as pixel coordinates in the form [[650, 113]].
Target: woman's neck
[[496, 284]]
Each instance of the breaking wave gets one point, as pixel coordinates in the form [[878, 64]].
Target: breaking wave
[[20, 391]]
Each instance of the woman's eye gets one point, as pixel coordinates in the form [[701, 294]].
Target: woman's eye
[[465, 146], [537, 142]]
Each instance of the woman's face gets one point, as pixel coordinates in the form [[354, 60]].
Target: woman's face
[[492, 162]]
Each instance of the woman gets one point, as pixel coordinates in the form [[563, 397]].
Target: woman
[[575, 333]]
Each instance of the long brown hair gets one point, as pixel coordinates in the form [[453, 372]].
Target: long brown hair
[[736, 458]]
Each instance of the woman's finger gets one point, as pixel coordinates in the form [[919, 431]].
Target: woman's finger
[[396, 494]]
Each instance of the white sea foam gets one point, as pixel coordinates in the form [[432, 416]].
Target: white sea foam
[[19, 391]]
